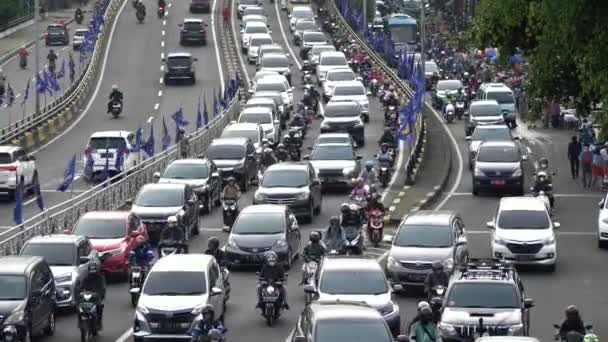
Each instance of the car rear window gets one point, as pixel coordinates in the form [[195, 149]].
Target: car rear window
[[191, 26], [107, 143], [54, 29], [5, 158], [523, 219], [498, 154], [485, 110], [97, 228], [163, 197]]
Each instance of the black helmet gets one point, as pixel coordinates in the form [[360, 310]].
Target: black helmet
[[387, 130], [213, 243], [571, 310], [315, 236], [426, 312], [215, 335], [437, 266], [384, 146], [334, 220], [344, 208], [208, 312]]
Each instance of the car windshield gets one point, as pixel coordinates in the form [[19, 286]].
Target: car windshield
[[430, 67], [226, 152], [271, 86], [107, 143], [498, 154], [284, 179], [254, 10], [332, 152], [186, 171], [353, 282], [448, 85], [248, 2], [178, 62], [423, 237], [333, 60], [160, 197], [254, 19], [193, 26], [316, 51], [5, 158], [175, 283], [256, 29], [501, 96], [255, 104], [314, 37], [333, 140], [101, 228], [346, 75], [259, 224], [252, 134], [484, 110], [275, 96], [523, 219], [260, 41], [483, 295], [12, 287], [55, 254], [303, 13], [352, 330], [275, 62], [305, 25], [349, 91], [341, 111], [80, 33], [261, 74], [273, 49], [491, 134], [54, 29], [261, 118]]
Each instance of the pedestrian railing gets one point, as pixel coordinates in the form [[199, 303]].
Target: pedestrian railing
[[15, 22]]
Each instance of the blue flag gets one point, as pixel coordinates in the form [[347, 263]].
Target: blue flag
[[215, 106], [10, 94], [41, 84], [26, 94], [137, 146], [68, 175], [72, 67], [199, 115], [37, 191], [120, 159], [149, 145], [61, 73], [88, 163], [180, 124], [106, 172], [166, 139], [52, 81], [205, 112], [18, 211]]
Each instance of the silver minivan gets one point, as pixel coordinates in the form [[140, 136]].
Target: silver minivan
[[482, 112]]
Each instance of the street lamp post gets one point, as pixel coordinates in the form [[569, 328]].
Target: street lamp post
[[365, 15], [37, 51], [422, 29]]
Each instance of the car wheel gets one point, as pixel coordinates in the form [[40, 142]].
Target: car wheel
[[601, 244], [289, 260], [49, 330], [311, 211], [475, 191], [208, 204], [319, 206], [195, 230]]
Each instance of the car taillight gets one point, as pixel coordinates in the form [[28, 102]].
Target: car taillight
[[8, 168]]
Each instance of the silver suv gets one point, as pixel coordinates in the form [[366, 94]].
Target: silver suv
[[69, 257], [421, 239]]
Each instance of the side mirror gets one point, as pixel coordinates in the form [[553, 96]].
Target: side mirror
[[490, 225], [129, 202], [270, 31], [601, 204], [524, 158], [468, 138], [180, 25], [293, 88], [216, 291], [461, 241], [528, 303], [190, 202], [309, 288], [359, 157], [557, 326], [134, 235], [516, 138], [368, 93], [250, 91], [289, 16], [306, 157], [83, 260], [299, 339], [215, 175], [276, 122], [31, 158], [556, 225], [387, 238]]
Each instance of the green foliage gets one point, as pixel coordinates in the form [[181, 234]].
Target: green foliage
[[9, 9]]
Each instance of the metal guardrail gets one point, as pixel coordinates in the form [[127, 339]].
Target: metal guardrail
[[113, 193], [416, 143], [15, 22], [71, 100]]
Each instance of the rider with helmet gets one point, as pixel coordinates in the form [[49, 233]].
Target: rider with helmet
[[374, 202], [115, 96], [385, 155], [425, 329], [271, 271], [231, 190], [315, 249], [359, 189], [350, 216], [267, 159], [368, 174], [436, 278], [213, 249], [421, 305], [281, 153], [334, 235], [142, 254], [95, 282], [207, 322], [572, 323], [387, 137], [298, 118], [543, 180], [459, 96], [173, 236]]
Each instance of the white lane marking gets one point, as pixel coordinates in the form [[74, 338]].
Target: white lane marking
[[162, 43], [17, 96], [162, 55], [236, 43], [162, 68], [160, 93], [399, 169], [124, 337], [169, 5], [459, 157], [156, 106], [164, 22], [97, 87], [216, 45], [160, 80], [293, 55], [166, 13], [598, 196], [485, 232], [162, 33]]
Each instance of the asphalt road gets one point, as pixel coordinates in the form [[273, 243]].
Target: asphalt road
[[18, 78], [134, 64]]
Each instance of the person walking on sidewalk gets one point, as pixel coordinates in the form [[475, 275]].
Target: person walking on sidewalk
[[586, 165], [574, 151], [597, 166], [226, 15]]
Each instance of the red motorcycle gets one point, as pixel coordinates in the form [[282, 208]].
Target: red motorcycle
[[375, 226]]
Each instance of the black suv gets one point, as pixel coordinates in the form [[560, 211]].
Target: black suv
[[485, 296], [200, 6], [193, 31], [27, 296], [56, 34], [179, 66], [235, 157]]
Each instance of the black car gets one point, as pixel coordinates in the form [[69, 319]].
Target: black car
[[193, 31], [235, 157], [259, 229], [56, 34], [27, 296], [200, 6], [199, 174], [180, 66], [498, 166]]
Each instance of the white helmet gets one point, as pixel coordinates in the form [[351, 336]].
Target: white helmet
[[114, 87], [423, 304], [172, 220]]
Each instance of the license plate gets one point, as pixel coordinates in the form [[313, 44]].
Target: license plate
[[417, 277], [106, 155], [498, 182], [170, 326], [524, 257]]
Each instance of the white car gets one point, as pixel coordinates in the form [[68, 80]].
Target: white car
[[355, 91], [271, 48], [261, 74], [252, 131], [262, 116], [254, 10], [602, 223], [15, 163], [276, 83], [254, 18], [242, 4], [313, 38], [316, 51], [300, 12], [523, 233], [333, 76], [78, 38], [250, 29], [330, 60], [276, 62], [105, 148], [255, 41], [303, 25]]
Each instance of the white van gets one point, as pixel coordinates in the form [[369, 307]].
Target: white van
[[105, 148], [503, 95]]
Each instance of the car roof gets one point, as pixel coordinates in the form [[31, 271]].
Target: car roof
[[190, 161], [182, 263], [351, 264], [334, 135], [525, 203], [275, 54], [299, 166], [271, 46], [430, 218], [505, 127], [81, 30], [111, 134], [341, 69], [193, 20], [55, 25], [495, 86], [259, 100], [273, 79], [256, 23], [260, 35], [253, 16], [243, 126], [484, 103], [333, 53], [161, 186], [336, 310], [342, 103], [300, 8], [179, 54], [507, 339], [498, 144], [57, 238], [17, 264], [9, 148], [119, 214], [353, 83], [256, 110], [263, 209], [324, 47], [230, 141]]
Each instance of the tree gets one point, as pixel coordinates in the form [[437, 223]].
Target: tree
[[564, 41], [9, 10]]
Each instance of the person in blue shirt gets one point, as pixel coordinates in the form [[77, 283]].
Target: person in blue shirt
[[207, 323], [142, 254]]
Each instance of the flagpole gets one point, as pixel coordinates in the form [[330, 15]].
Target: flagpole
[[36, 52]]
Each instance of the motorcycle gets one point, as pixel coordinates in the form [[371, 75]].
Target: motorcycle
[[10, 333], [384, 173], [88, 322], [116, 108], [352, 245], [449, 115], [271, 303], [171, 247], [230, 210], [459, 109], [78, 18], [136, 283], [437, 291], [575, 336], [310, 271], [161, 12], [375, 226], [140, 16], [306, 77], [373, 87], [294, 152]]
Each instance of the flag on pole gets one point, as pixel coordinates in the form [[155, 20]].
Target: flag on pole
[[61, 73], [166, 139], [18, 211], [68, 175], [215, 106], [88, 163], [37, 191], [205, 112], [226, 98], [10, 95], [137, 146], [106, 172], [199, 115], [52, 81], [149, 145], [220, 98], [120, 159], [72, 67], [180, 124], [26, 94]]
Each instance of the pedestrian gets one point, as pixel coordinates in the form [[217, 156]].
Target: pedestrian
[[2, 83], [574, 151], [586, 165], [184, 145], [597, 166], [523, 104], [226, 15]]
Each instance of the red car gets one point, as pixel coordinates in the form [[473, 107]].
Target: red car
[[112, 233]]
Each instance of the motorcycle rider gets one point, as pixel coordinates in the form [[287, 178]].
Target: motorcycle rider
[[78, 13], [391, 100], [436, 278], [115, 95], [385, 155], [281, 153], [52, 58], [572, 323], [141, 8], [267, 159], [173, 235], [368, 174], [425, 329], [459, 96], [298, 119], [215, 335], [544, 183], [359, 189], [387, 137], [421, 305], [272, 271], [162, 3], [334, 235], [207, 323], [95, 282], [314, 251], [142, 254], [231, 190], [374, 202], [213, 249], [350, 216]]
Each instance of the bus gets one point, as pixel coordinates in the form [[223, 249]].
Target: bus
[[292, 3], [403, 30]]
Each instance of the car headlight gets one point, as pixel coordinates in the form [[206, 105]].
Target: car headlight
[[499, 241], [364, 104], [16, 317], [478, 172], [515, 330], [64, 278], [259, 196], [605, 220], [231, 243], [517, 173], [388, 308], [446, 329], [268, 131], [303, 196], [449, 264], [348, 170], [280, 244], [549, 241], [142, 310], [197, 309]]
